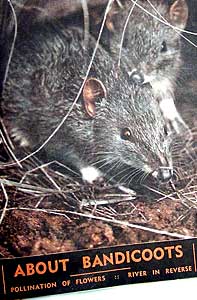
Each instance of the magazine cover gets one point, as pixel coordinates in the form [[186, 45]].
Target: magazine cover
[[98, 144]]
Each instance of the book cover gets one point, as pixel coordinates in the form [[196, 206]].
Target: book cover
[[98, 179]]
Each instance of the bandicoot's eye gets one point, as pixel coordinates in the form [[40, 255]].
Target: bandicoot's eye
[[126, 134], [163, 47]]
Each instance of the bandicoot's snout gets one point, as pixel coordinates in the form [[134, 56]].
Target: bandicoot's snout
[[163, 174], [136, 77]]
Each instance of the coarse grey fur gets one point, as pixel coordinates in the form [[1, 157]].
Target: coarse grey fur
[[46, 72]]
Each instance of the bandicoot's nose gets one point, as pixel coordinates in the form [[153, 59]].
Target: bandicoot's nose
[[136, 77], [164, 174]]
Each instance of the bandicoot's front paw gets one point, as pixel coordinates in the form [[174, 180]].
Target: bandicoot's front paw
[[179, 125], [172, 116], [91, 174]]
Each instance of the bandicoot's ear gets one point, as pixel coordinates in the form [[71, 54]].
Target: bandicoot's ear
[[115, 9], [92, 90], [178, 13]]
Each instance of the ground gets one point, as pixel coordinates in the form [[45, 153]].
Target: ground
[[40, 218]]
